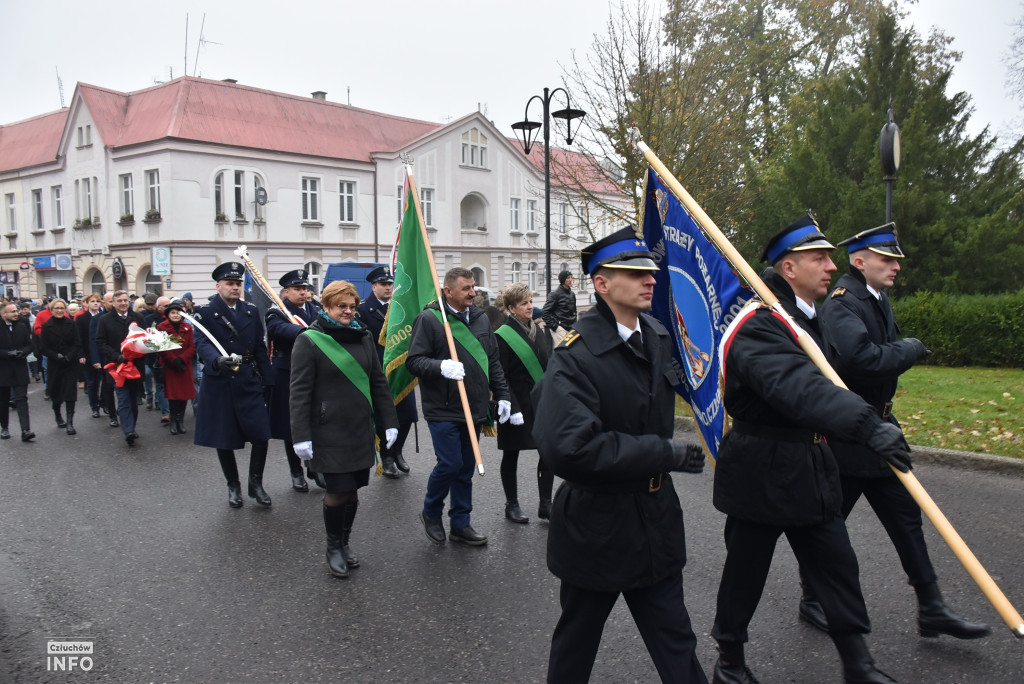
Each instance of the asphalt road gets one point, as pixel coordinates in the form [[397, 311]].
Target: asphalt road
[[137, 550]]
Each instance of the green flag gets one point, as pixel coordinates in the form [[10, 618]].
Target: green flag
[[414, 289]]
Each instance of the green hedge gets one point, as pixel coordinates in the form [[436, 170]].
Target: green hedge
[[966, 330]]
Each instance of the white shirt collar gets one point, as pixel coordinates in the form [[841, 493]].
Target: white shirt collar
[[625, 332], [808, 309], [874, 292]]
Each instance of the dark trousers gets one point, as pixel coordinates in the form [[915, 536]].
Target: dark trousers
[[93, 381], [20, 395], [107, 393], [128, 404], [453, 473], [901, 518], [396, 448], [659, 613], [826, 558]]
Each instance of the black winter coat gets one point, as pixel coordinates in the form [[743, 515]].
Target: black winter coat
[[111, 330], [605, 416], [520, 384], [59, 343], [428, 346], [560, 309], [327, 408], [781, 476], [869, 357], [14, 372], [281, 334]]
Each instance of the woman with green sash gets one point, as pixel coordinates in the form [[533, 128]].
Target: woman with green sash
[[338, 390], [524, 351]]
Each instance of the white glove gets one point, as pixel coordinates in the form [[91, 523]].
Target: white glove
[[453, 370], [390, 437], [516, 419], [304, 450], [504, 410]]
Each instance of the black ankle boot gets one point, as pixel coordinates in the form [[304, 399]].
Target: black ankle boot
[[934, 617], [514, 513], [812, 613], [174, 430], [731, 668], [333, 523], [235, 494], [61, 423], [349, 514], [256, 490], [858, 667], [70, 422], [390, 471], [181, 422], [544, 508]]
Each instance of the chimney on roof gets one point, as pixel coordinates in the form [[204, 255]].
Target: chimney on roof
[[319, 95], [229, 80]]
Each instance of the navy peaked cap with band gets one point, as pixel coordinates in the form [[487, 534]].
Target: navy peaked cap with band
[[298, 278], [800, 235], [381, 274], [621, 249], [232, 270], [881, 240]]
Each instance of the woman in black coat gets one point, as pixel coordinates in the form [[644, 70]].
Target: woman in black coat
[[338, 390], [522, 348], [59, 343]]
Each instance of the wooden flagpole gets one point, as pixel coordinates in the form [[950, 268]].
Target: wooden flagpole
[[470, 425], [243, 253], [966, 557]]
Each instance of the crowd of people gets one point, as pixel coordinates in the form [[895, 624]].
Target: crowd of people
[[592, 394]]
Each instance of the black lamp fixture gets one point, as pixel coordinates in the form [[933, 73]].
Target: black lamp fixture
[[889, 151], [526, 132]]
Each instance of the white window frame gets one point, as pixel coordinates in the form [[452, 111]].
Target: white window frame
[[347, 200], [474, 149], [531, 276], [218, 195], [427, 205], [517, 271], [310, 187], [563, 216], [12, 214], [153, 190], [87, 198], [57, 193], [257, 182], [127, 184], [513, 209], [37, 209], [531, 216], [315, 277], [239, 194]]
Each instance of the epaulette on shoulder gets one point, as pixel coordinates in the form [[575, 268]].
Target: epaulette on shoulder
[[838, 292], [569, 338]]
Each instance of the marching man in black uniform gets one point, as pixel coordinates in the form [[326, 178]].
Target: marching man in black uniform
[[776, 473], [604, 424], [869, 356], [281, 333], [372, 312], [232, 393]]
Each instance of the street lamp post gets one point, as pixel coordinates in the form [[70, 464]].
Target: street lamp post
[[527, 132], [889, 151]]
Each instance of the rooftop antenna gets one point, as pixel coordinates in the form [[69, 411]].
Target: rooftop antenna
[[348, 95], [186, 44], [202, 43], [60, 87]]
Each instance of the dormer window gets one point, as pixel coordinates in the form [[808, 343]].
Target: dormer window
[[474, 149]]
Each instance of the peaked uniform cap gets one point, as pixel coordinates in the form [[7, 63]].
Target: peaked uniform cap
[[622, 249], [800, 235], [232, 270], [297, 278], [381, 274], [881, 240]]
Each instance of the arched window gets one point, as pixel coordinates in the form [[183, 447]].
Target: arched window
[[517, 272], [96, 282], [315, 278], [531, 275], [478, 276], [147, 282], [218, 196]]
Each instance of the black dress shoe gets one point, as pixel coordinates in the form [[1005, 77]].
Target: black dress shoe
[[27, 435], [4, 434], [401, 463], [514, 513], [235, 494], [299, 483], [544, 509], [257, 492], [316, 477], [130, 438], [934, 617], [114, 423], [467, 535], [813, 614], [433, 528], [71, 429], [95, 414], [389, 469], [61, 424]]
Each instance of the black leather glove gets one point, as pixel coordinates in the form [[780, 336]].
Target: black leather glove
[[178, 364], [226, 363], [687, 457], [62, 358], [121, 359], [917, 345], [887, 441]]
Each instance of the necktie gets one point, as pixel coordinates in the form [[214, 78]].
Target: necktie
[[636, 343]]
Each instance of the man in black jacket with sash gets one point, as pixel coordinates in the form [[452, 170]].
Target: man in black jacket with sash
[[604, 424], [776, 473], [372, 313], [15, 346], [480, 369], [870, 357]]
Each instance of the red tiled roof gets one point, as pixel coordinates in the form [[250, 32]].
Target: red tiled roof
[[223, 113], [31, 142], [569, 169]]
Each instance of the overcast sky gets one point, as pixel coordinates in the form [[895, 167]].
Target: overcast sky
[[430, 59]]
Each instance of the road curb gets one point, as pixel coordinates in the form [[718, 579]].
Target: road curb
[[1003, 465]]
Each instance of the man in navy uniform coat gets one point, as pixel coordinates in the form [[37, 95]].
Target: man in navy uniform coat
[[234, 387], [372, 313], [870, 357], [281, 333]]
